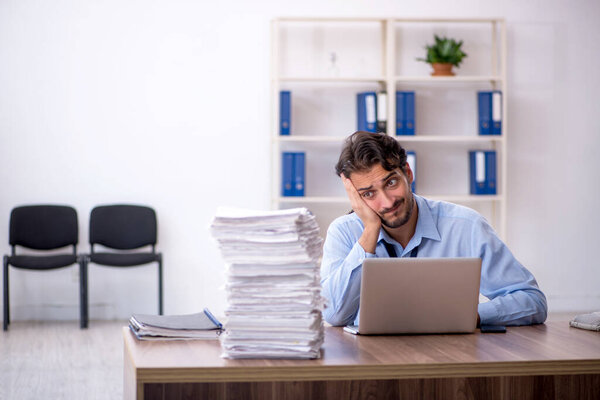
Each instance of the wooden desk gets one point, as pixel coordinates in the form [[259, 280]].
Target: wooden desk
[[543, 361]]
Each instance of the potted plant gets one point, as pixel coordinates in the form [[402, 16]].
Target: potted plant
[[444, 54]]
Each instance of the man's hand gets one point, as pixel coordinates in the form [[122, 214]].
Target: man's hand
[[370, 219]]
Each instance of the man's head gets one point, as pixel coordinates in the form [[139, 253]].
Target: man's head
[[376, 165]]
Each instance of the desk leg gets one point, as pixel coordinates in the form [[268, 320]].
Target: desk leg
[[132, 390]]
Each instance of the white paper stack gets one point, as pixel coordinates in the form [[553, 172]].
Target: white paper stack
[[273, 284]]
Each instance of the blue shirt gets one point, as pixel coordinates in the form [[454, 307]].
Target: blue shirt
[[443, 230]]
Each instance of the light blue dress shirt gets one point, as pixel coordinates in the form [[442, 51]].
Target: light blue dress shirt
[[443, 230]]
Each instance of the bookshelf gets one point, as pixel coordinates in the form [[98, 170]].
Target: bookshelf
[[324, 62]]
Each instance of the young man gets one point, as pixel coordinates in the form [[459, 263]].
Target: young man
[[389, 221]]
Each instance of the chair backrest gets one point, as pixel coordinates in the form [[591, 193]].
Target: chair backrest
[[43, 227], [123, 227]]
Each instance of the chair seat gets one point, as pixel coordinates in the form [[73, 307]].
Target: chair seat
[[123, 259], [42, 262]]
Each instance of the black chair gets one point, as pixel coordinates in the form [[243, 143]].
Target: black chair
[[125, 228], [44, 227]]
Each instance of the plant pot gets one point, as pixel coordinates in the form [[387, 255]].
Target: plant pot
[[440, 69]]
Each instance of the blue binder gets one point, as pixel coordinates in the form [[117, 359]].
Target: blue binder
[[287, 174], [411, 159], [484, 105], [366, 111], [285, 102], [410, 113], [299, 173], [489, 106], [405, 113], [490, 169], [400, 112], [496, 112], [482, 166]]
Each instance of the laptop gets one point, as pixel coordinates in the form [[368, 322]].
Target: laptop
[[418, 295]]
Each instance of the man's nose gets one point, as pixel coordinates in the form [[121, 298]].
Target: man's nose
[[387, 201]]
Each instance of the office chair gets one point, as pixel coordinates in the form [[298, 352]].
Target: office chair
[[124, 228], [44, 227]]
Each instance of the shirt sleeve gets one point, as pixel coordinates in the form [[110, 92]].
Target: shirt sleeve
[[515, 298], [341, 274]]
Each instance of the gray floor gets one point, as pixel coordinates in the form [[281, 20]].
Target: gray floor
[[57, 360]]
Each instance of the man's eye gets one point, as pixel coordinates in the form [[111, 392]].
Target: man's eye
[[392, 182], [367, 195]]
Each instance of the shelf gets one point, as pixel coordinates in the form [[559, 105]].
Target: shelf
[[340, 199], [397, 79], [445, 79], [407, 138], [314, 79], [382, 19]]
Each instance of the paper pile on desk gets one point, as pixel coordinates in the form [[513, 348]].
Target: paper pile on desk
[[273, 290], [175, 327]]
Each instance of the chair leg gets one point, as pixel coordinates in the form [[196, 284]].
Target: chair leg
[[160, 286], [6, 312], [83, 296]]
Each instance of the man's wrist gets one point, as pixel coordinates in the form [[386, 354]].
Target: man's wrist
[[368, 239]]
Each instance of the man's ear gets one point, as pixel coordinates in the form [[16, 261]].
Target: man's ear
[[408, 173]]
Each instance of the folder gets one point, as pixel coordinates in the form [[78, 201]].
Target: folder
[[382, 112], [405, 113], [482, 166], [287, 174], [411, 159], [299, 172], [366, 111], [285, 102]]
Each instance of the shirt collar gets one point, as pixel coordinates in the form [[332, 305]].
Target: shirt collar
[[426, 227]]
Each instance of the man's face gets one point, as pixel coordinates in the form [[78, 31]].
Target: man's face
[[387, 193]]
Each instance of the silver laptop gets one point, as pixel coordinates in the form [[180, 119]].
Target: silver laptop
[[418, 295]]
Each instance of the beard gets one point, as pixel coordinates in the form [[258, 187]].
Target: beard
[[398, 221]]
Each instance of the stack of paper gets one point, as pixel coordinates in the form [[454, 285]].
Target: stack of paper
[[273, 290], [172, 327]]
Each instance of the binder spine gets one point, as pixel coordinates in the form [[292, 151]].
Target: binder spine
[[299, 174], [287, 174], [490, 169], [484, 105], [366, 111], [482, 166], [496, 112], [400, 114], [382, 112], [285, 102], [410, 113]]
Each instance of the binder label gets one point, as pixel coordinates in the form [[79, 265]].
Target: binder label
[[479, 166], [370, 106], [496, 107]]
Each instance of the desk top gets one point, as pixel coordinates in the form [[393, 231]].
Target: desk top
[[551, 348]]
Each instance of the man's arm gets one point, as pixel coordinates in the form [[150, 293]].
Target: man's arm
[[341, 272], [346, 246], [515, 298]]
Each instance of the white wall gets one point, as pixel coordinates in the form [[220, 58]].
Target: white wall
[[166, 103]]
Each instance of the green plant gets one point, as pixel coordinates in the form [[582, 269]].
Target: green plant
[[444, 51]]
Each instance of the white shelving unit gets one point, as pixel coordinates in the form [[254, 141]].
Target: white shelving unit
[[393, 51]]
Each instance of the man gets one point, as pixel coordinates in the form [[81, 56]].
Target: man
[[389, 221]]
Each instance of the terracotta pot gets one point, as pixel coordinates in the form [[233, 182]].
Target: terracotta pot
[[442, 69]]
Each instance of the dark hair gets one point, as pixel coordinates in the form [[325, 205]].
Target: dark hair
[[363, 150]]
